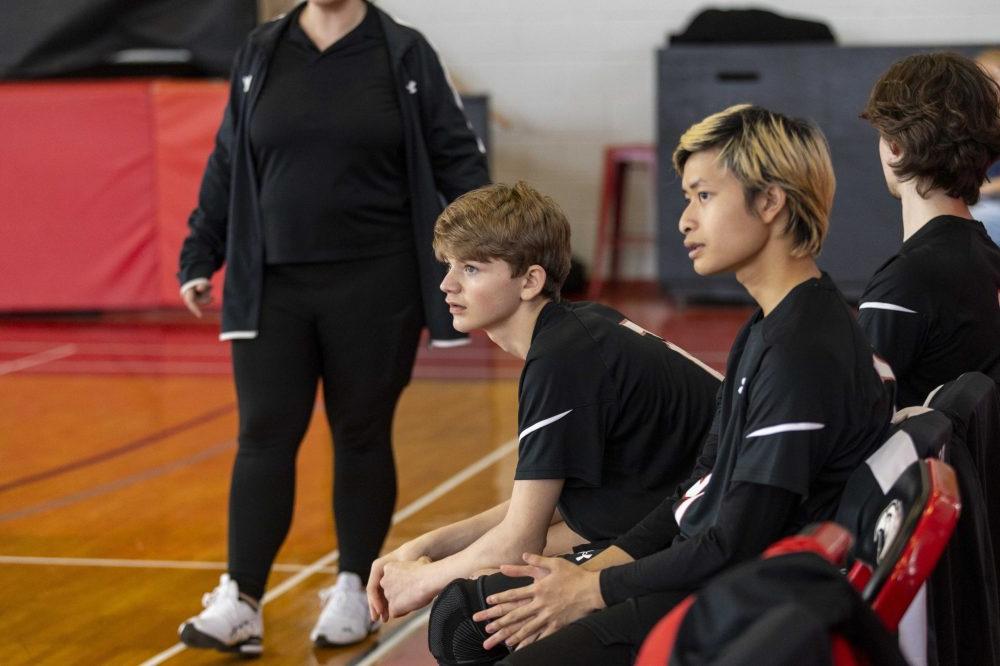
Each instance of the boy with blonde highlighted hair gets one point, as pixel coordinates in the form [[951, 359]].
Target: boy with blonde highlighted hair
[[610, 417], [802, 405]]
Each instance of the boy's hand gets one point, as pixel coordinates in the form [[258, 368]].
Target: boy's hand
[[404, 586], [378, 605], [562, 592]]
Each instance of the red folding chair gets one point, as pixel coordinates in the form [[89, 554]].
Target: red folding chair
[[828, 540], [903, 542], [897, 546]]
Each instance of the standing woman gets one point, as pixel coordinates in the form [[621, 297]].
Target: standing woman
[[341, 143]]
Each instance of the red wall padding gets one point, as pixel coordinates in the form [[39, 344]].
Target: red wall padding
[[97, 180]]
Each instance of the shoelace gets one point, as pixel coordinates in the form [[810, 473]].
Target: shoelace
[[329, 594], [218, 594]]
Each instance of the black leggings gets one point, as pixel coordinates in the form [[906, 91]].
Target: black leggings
[[355, 325]]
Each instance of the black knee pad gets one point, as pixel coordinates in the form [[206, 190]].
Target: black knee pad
[[452, 636]]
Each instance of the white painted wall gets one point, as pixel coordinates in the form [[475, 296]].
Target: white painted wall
[[573, 75]]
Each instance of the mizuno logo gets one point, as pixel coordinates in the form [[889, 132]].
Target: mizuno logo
[[246, 82], [411, 87]]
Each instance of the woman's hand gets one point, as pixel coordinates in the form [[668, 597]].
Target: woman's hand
[[197, 295]]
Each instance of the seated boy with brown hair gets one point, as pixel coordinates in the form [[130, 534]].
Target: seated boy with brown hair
[[610, 417]]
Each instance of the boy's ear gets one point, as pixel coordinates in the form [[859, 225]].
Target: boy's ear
[[534, 282], [770, 202]]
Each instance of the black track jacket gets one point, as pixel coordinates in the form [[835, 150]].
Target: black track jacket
[[444, 159]]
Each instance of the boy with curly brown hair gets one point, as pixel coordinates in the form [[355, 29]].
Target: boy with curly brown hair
[[933, 310]]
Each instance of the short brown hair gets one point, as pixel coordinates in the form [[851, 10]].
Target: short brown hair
[[761, 148], [517, 224], [943, 111]]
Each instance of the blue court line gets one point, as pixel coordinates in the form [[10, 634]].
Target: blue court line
[[120, 450], [117, 484]]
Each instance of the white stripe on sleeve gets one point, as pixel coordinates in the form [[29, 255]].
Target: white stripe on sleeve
[[541, 424], [786, 427], [448, 344], [876, 305], [238, 335]]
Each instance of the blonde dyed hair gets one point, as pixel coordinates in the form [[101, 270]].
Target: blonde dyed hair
[[515, 223], [762, 148]]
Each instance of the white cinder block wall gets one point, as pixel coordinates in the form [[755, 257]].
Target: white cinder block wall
[[570, 76]]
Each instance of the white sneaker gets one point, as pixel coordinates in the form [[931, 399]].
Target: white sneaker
[[344, 619], [228, 623]]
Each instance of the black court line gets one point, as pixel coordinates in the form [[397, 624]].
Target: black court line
[[118, 451], [117, 484]]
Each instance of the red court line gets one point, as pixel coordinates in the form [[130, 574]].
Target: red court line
[[118, 451], [131, 367], [163, 348], [127, 346], [117, 484]]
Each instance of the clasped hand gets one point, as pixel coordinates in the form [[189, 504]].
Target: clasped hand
[[394, 586], [561, 593]]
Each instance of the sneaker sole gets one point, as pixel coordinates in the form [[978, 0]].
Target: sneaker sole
[[191, 637], [322, 641]]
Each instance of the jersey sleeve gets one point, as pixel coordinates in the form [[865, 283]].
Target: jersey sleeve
[[204, 249], [795, 404], [893, 313], [751, 518], [566, 408]]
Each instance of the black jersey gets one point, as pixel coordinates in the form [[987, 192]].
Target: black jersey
[[933, 310], [803, 405], [327, 138], [614, 410]]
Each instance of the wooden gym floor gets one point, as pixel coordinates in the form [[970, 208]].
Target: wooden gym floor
[[117, 434]]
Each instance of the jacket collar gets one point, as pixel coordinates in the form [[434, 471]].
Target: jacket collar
[[399, 36], [267, 35]]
